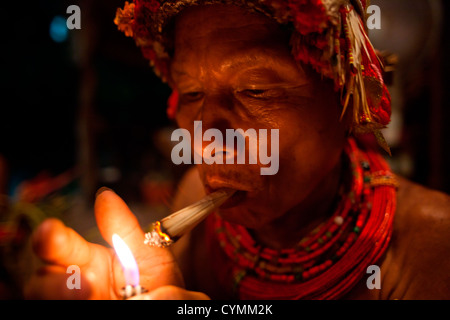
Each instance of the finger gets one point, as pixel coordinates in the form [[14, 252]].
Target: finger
[[50, 283], [171, 293], [114, 216], [157, 266], [55, 243]]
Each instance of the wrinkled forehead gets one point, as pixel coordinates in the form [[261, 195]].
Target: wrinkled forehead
[[218, 24], [222, 15], [222, 24], [227, 38]]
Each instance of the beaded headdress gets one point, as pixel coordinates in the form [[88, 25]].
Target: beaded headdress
[[329, 35]]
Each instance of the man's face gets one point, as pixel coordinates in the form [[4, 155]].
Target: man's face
[[234, 69]]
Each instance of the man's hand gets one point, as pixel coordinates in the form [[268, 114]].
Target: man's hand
[[101, 272]]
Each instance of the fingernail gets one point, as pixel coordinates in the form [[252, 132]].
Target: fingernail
[[99, 191]]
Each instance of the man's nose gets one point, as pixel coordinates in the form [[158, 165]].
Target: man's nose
[[217, 113]]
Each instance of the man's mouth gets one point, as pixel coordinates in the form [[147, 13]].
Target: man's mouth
[[237, 198]]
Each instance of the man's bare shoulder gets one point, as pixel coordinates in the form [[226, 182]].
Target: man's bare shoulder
[[419, 255], [422, 209], [424, 202]]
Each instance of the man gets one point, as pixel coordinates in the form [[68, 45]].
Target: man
[[312, 229]]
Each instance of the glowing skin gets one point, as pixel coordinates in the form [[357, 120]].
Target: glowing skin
[[233, 70]]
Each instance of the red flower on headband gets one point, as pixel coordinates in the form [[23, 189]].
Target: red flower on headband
[[152, 5], [125, 18], [309, 16], [149, 53], [142, 19]]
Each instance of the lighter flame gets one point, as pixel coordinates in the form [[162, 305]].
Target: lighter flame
[[126, 258]]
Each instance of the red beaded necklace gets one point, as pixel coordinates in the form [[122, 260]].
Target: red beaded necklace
[[328, 262]]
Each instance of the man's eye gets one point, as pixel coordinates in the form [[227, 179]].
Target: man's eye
[[255, 93], [192, 96]]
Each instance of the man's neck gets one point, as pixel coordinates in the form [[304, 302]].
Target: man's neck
[[287, 231]]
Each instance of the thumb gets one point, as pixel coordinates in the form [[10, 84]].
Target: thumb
[[157, 266], [113, 216]]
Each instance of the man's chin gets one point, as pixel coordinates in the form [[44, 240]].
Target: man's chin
[[241, 214]]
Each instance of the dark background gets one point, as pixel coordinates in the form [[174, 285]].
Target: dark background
[[91, 101]]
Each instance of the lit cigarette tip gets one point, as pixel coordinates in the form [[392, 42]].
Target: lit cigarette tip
[[165, 232]]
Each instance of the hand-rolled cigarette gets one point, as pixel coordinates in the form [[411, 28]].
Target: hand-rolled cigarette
[[165, 232]]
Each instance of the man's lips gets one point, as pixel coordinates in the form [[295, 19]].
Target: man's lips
[[215, 183], [238, 197]]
